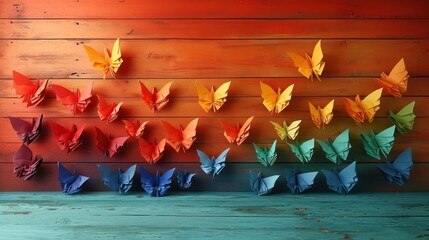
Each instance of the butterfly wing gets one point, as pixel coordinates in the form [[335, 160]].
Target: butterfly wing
[[307, 150], [219, 162], [370, 145], [84, 99], [107, 112], [184, 179], [404, 119], [354, 110], [173, 135], [126, 179], [161, 97], [267, 184], [330, 153], [61, 135], [326, 113], [116, 59], [165, 181], [284, 99], [231, 131], [371, 104], [70, 182], [21, 127], [31, 93], [403, 164], [220, 95], [315, 115], [341, 145], [110, 178], [148, 97], [305, 180], [316, 60], [348, 177], [244, 131], [65, 97], [302, 64], [103, 141], [261, 155], [281, 130], [134, 130], [385, 140], [115, 145], [189, 134], [98, 62], [291, 180], [293, 129], [148, 182], [24, 166], [152, 152], [255, 180], [396, 82], [333, 181], [207, 164], [205, 96], [269, 96]]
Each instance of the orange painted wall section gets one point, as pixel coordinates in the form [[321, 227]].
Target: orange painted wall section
[[213, 41]]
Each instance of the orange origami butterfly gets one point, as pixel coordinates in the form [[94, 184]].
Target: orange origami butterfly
[[135, 130], [360, 110], [211, 99], [396, 82], [309, 66], [181, 137], [236, 133], [152, 152], [74, 101], [107, 64], [321, 116], [31, 93], [108, 145], [107, 112], [155, 100], [276, 101]]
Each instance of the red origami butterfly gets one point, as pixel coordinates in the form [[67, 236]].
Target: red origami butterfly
[[31, 93], [236, 133], [152, 152], [155, 100], [23, 163], [179, 137], [74, 101], [108, 145], [135, 130], [67, 140], [27, 132], [107, 112]]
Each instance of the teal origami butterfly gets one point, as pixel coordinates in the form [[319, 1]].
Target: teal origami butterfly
[[375, 144], [337, 149], [303, 151], [265, 156]]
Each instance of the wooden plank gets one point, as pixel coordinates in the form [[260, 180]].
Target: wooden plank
[[214, 9], [213, 29], [215, 58]]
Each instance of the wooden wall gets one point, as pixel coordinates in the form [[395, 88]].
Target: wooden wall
[[213, 41]]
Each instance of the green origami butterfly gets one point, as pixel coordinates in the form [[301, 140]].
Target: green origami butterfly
[[265, 156], [382, 142], [337, 149], [404, 119], [303, 151]]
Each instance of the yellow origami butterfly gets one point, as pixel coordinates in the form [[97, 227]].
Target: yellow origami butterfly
[[309, 66], [360, 110], [211, 99], [107, 64], [276, 101], [321, 116], [284, 131]]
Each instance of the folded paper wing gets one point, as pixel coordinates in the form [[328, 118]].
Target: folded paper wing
[[212, 165], [67, 140], [106, 111], [374, 144], [211, 99], [152, 152], [310, 67], [404, 119], [299, 182], [265, 156], [156, 185], [184, 179], [321, 116], [337, 149], [134, 129], [398, 172], [108, 145], [275, 101], [77, 101], [361, 110], [284, 131], [24, 165], [180, 138], [27, 132], [343, 181], [397, 81], [304, 152], [31, 93], [107, 64], [260, 185], [71, 183], [120, 182], [236, 133], [155, 100]]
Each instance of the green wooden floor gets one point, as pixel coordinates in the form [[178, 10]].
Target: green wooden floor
[[214, 216]]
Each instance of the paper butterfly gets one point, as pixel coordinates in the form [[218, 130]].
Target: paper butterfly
[[309, 66], [276, 101], [107, 112], [211, 99], [360, 110], [304, 152], [67, 140], [24, 165], [382, 142], [108, 145], [31, 93], [152, 152], [262, 186], [179, 137], [107, 64], [70, 182], [399, 171], [284, 131], [74, 101], [396, 82], [321, 116], [215, 165], [337, 149], [135, 130], [299, 182], [120, 182], [155, 99], [27, 132], [404, 119], [343, 181], [265, 156], [184, 180], [156, 185], [236, 133]]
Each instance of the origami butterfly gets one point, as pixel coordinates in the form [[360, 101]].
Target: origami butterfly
[[265, 156], [299, 182], [184, 179], [382, 142], [262, 186], [156, 185], [337, 149], [108, 145], [107, 64], [135, 130], [70, 182], [276, 101], [107, 112], [213, 164], [211, 99], [399, 171], [67, 140], [31, 93], [321, 116], [155, 99], [27, 132], [284, 131], [181, 137], [404, 119], [152, 152], [24, 165], [309, 66], [236, 133], [396, 82], [360, 110], [74, 101], [120, 182], [304, 152], [343, 181]]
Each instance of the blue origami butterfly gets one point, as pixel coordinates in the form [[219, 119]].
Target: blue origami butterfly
[[343, 181], [184, 179], [299, 182], [260, 185], [120, 182], [399, 171], [209, 165], [70, 182], [156, 185]]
